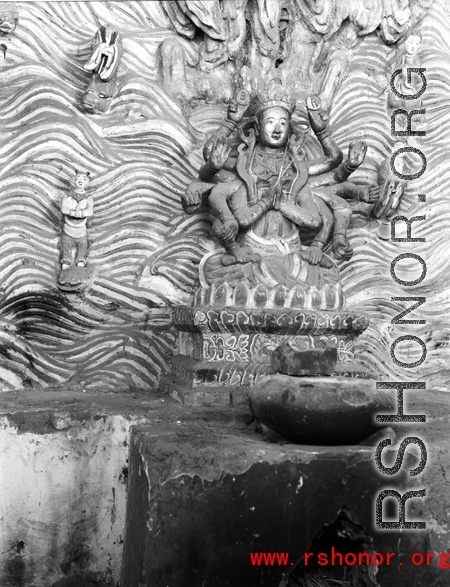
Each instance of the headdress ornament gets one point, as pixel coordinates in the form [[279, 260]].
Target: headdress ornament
[[275, 95]]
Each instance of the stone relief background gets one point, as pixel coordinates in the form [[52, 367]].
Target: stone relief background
[[142, 153]]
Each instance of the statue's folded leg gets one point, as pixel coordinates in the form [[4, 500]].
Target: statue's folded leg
[[342, 216]]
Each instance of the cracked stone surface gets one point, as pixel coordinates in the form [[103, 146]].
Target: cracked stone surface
[[205, 489], [203, 496]]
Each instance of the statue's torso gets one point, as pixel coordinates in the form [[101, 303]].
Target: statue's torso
[[271, 167]]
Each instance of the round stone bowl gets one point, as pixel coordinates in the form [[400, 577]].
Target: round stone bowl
[[320, 410]]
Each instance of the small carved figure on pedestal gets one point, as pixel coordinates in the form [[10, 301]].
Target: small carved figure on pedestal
[[103, 63], [9, 16], [76, 208]]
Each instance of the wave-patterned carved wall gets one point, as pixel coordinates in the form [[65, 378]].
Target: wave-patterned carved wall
[[141, 155]]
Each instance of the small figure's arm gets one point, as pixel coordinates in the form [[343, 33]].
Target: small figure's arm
[[89, 211], [66, 205], [82, 209]]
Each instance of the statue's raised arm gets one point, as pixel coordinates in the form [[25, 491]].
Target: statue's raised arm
[[318, 119]]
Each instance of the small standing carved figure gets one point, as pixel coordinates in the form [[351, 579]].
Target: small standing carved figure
[[76, 208], [405, 84]]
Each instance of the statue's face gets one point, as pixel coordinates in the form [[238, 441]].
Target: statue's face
[[412, 44], [98, 95], [274, 128], [81, 181]]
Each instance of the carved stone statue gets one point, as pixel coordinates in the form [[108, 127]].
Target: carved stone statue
[[264, 193], [103, 63], [76, 208], [9, 16], [278, 188]]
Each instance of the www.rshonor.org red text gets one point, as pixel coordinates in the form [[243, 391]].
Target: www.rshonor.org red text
[[335, 558]]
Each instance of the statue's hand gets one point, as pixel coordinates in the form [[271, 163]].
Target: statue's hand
[[356, 153], [317, 116], [268, 200], [341, 247], [194, 193], [205, 66], [314, 254], [239, 105], [369, 194], [219, 154], [278, 197]]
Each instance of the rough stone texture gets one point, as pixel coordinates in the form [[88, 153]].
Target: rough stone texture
[[292, 361], [63, 480], [203, 497], [190, 457], [320, 410]]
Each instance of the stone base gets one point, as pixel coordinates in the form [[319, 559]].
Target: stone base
[[75, 279], [204, 395], [200, 500], [232, 347]]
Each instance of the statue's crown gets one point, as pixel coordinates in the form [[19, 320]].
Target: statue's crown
[[275, 95]]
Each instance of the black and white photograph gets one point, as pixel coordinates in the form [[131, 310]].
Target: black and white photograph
[[225, 293]]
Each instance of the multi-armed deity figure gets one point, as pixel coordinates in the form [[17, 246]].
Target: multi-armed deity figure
[[266, 196]]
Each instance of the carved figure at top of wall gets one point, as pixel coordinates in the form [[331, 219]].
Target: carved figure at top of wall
[[207, 69], [202, 69], [187, 16], [9, 16], [76, 208], [103, 63], [392, 17], [265, 18], [205, 72], [334, 57], [408, 57], [265, 182]]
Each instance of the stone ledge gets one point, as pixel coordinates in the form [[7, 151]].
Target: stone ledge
[[203, 498]]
